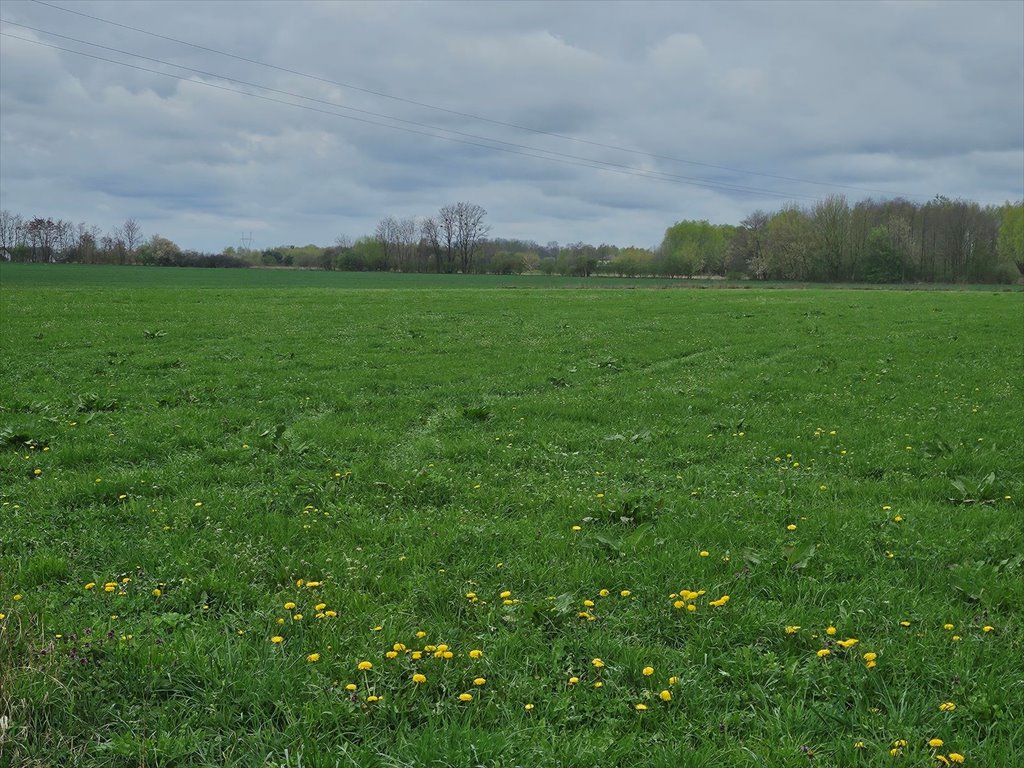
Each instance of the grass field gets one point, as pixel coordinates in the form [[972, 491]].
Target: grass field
[[725, 487]]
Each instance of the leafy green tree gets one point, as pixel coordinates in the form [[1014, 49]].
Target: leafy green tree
[[788, 245], [1010, 244], [882, 262], [159, 252], [831, 218], [695, 247]]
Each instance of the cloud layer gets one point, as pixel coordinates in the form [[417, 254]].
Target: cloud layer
[[890, 99]]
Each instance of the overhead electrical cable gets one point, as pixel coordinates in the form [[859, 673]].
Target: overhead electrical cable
[[549, 154], [592, 164], [469, 115]]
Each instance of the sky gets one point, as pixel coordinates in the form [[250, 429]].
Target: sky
[[600, 122]]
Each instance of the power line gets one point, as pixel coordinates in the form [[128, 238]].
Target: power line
[[558, 157], [469, 115], [726, 186]]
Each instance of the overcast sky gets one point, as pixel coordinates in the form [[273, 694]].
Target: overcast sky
[[864, 99]]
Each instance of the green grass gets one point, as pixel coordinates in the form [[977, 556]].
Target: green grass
[[224, 434]]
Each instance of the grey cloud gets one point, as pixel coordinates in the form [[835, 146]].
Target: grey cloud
[[919, 98]]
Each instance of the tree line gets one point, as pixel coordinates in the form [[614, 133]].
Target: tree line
[[47, 240], [888, 241]]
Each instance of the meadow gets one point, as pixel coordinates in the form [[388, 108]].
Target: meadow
[[262, 518]]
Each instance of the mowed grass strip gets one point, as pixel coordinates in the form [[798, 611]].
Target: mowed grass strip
[[569, 482]]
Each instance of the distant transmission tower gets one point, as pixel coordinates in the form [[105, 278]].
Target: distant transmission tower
[[247, 241]]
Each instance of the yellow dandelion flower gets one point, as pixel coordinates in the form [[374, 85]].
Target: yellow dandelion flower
[[419, 679], [480, 681], [320, 606], [311, 584], [476, 653], [859, 745], [956, 757], [705, 553], [830, 630], [947, 626], [870, 656], [280, 620], [289, 605], [599, 684], [447, 655], [935, 743], [947, 706], [297, 617], [277, 639], [987, 628], [691, 607], [577, 528], [792, 629], [848, 643], [665, 695], [156, 592], [528, 707], [648, 671], [673, 680], [791, 527], [824, 652], [597, 663], [505, 594], [313, 658], [351, 687], [604, 593], [573, 680], [416, 655], [362, 666], [588, 603], [640, 707], [420, 635], [391, 655], [465, 697], [373, 699], [625, 593], [90, 585], [719, 602]]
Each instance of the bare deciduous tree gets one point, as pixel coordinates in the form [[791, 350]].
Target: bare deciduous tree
[[431, 231], [11, 232], [131, 234], [461, 228], [405, 243], [387, 236]]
